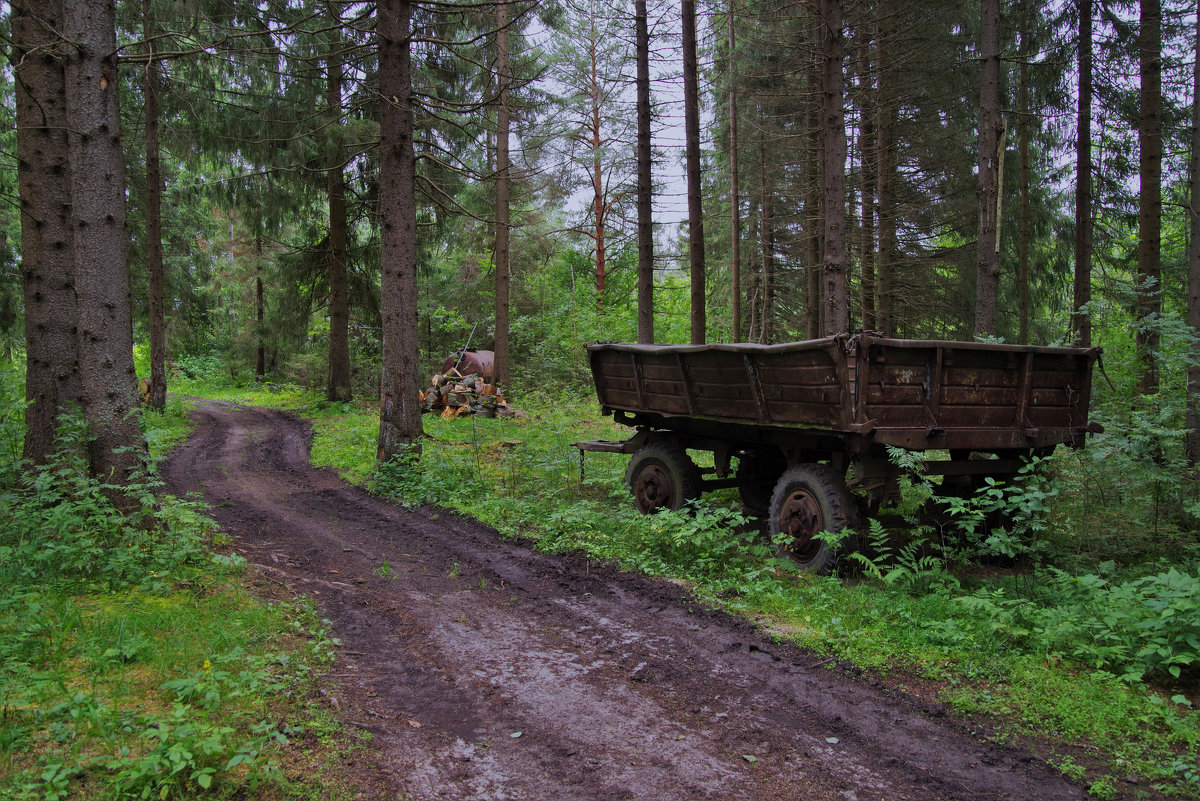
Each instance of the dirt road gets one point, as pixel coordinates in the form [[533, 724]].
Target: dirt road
[[488, 671]]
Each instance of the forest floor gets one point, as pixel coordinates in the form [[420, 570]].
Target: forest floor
[[483, 669]]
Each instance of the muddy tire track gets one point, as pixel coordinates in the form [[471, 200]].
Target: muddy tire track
[[488, 671]]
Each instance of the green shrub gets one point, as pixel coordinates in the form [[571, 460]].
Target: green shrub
[[58, 524], [97, 695], [1145, 627], [211, 367]]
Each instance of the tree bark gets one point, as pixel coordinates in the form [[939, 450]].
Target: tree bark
[[766, 240], [1081, 322], [814, 212], [501, 261], [735, 221], [837, 311], [339, 389], [987, 287], [754, 279], [645, 214], [105, 325], [1023, 90], [1192, 442], [598, 205], [868, 182], [52, 379], [887, 106], [399, 408], [154, 249], [1149, 253], [753, 282], [691, 113], [260, 361]]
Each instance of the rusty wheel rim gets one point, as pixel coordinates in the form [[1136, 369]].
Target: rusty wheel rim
[[801, 519], [653, 488]]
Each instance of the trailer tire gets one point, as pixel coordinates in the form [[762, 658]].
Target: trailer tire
[[662, 476], [809, 499]]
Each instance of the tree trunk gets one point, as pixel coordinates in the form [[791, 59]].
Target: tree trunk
[[735, 221], [887, 106], [867, 184], [987, 286], [645, 224], [503, 270], [399, 408], [154, 249], [767, 248], [1149, 261], [52, 380], [598, 205], [1023, 295], [339, 389], [105, 325], [753, 290], [836, 305], [260, 361], [1081, 322], [813, 213], [691, 113], [1192, 443]]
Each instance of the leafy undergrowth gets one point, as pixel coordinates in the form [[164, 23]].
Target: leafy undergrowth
[[168, 428], [134, 663]]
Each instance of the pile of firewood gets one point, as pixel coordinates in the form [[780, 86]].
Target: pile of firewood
[[451, 394]]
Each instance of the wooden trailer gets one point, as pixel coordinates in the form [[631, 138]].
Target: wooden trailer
[[798, 427]]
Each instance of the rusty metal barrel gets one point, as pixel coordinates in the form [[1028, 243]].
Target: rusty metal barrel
[[472, 362]]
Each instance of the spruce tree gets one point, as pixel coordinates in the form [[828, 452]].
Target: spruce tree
[[691, 113], [399, 405], [66, 62], [987, 279]]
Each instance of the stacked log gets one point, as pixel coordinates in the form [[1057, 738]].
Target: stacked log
[[452, 394]]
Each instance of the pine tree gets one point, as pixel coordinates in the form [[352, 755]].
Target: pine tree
[[1149, 252], [338, 388], [593, 60], [691, 114], [735, 200], [645, 221], [1192, 419], [1081, 322], [987, 289], [835, 308], [399, 408], [153, 214], [501, 259]]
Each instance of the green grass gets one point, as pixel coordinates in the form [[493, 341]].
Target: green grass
[[166, 429], [135, 662], [277, 396], [168, 693]]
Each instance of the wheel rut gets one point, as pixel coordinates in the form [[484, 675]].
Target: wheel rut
[[487, 670]]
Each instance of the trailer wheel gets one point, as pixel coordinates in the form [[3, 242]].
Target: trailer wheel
[[662, 476], [809, 499]]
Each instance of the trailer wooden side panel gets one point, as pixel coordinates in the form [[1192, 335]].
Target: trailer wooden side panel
[[913, 393]]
